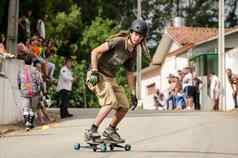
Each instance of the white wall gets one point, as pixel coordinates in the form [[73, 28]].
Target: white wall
[[171, 65], [147, 100], [174, 47], [10, 101]]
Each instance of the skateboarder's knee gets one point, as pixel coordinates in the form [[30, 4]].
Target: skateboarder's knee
[[123, 109]]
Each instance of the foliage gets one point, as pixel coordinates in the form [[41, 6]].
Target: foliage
[[206, 13], [87, 23], [66, 26], [97, 32]]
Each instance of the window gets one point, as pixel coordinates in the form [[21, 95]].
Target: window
[[151, 89], [205, 63]]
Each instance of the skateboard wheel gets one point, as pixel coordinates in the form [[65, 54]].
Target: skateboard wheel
[[76, 146], [103, 147], [94, 148], [111, 147], [127, 147]]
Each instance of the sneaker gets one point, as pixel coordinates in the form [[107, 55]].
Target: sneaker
[[28, 124], [188, 108], [112, 134], [91, 135], [66, 116]]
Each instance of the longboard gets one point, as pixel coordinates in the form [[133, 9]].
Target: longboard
[[103, 145]]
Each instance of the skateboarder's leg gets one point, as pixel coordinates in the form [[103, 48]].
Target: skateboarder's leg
[[107, 100], [119, 115], [92, 133], [121, 110], [102, 114]]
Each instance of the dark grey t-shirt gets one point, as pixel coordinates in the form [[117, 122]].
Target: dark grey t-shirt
[[116, 56]]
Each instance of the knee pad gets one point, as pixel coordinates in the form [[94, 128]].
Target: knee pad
[[25, 113], [31, 113]]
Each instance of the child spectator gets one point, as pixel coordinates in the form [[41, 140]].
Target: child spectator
[[159, 101], [42, 115], [29, 84]]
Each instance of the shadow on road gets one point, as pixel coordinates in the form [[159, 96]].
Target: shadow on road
[[185, 152]]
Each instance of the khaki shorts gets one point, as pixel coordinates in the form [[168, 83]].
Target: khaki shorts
[[109, 93]]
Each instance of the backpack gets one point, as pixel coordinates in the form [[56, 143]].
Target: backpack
[[27, 82]]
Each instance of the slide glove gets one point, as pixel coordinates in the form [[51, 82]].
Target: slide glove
[[94, 78], [134, 102]]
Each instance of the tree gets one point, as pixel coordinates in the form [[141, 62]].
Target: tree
[[201, 13], [97, 32], [232, 13], [66, 26], [3, 15]]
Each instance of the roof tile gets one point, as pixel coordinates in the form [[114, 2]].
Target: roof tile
[[191, 35]]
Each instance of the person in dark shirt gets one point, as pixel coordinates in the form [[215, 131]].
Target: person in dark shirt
[[233, 80], [105, 61]]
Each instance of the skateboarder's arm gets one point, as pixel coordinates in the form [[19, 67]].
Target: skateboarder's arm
[[97, 51]]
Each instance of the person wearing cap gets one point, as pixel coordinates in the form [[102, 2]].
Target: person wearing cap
[[118, 51]]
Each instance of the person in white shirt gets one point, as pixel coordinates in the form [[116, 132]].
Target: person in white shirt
[[64, 87], [214, 90], [188, 87]]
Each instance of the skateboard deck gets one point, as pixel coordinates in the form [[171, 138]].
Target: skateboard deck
[[103, 145]]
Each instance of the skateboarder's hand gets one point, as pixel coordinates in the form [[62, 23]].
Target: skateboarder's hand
[[134, 102], [94, 78]]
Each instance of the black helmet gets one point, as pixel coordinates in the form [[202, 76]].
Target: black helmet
[[139, 26]]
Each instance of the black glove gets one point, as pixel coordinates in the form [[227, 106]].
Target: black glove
[[94, 78], [134, 102]]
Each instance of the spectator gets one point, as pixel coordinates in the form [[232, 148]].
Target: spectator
[[214, 90], [180, 75], [40, 26], [188, 87], [42, 115], [22, 49], [49, 46], [179, 95], [25, 27], [233, 80], [159, 101], [39, 53], [171, 93], [64, 87], [29, 83], [197, 85]]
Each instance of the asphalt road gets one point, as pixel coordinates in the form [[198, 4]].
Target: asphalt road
[[151, 134]]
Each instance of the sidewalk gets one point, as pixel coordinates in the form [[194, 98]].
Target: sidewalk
[[4, 129]]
